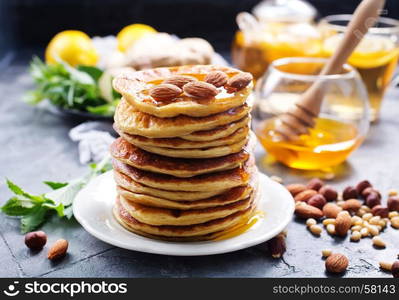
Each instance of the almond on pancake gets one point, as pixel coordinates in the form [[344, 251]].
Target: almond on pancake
[[180, 167], [135, 86], [130, 120], [212, 181]]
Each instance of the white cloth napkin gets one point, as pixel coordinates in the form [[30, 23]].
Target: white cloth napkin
[[94, 140]]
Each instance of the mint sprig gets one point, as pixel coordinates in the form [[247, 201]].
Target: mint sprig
[[35, 209]]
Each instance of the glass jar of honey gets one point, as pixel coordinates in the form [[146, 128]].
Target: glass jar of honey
[[335, 134]]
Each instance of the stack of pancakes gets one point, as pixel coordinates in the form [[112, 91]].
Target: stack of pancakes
[[183, 164]]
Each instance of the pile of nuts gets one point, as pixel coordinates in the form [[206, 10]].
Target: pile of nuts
[[358, 210], [175, 85], [36, 240]]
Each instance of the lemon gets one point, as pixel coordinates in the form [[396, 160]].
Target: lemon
[[372, 52], [72, 46], [131, 33]]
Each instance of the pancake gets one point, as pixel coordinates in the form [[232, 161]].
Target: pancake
[[134, 88], [199, 153], [164, 216], [218, 132], [129, 154], [230, 196], [187, 233], [178, 143], [133, 186], [129, 120], [227, 197], [206, 182]]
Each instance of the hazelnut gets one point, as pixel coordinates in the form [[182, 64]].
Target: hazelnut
[[277, 246], [36, 240], [362, 185], [305, 195], [378, 210], [337, 263], [395, 269], [349, 193], [368, 191], [329, 193], [315, 184], [372, 200], [295, 188], [317, 201], [393, 203]]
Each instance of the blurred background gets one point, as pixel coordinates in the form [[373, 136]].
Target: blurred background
[[28, 25]]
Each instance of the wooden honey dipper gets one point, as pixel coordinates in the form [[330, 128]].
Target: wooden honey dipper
[[301, 117]]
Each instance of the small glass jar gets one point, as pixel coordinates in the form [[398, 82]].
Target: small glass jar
[[335, 135]]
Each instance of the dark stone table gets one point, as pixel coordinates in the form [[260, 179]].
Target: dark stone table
[[35, 147]]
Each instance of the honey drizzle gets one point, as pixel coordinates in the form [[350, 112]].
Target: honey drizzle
[[239, 228]]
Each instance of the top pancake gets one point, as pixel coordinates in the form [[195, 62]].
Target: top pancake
[[134, 88], [131, 121]]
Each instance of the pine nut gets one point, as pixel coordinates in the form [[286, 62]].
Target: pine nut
[[341, 203], [375, 220], [310, 222], [355, 237], [395, 222], [360, 212], [387, 266], [315, 229], [331, 229], [378, 242], [356, 219], [364, 232], [328, 221], [367, 216], [382, 223], [393, 214], [373, 230], [365, 208], [326, 252], [392, 192], [356, 228]]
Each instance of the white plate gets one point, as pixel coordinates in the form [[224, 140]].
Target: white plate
[[93, 210]]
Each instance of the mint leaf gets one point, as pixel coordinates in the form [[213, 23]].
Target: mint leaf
[[34, 219], [20, 192], [59, 208], [55, 185], [66, 194], [17, 207], [94, 72]]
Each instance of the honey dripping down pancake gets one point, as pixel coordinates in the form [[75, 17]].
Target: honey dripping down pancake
[[179, 167], [226, 197], [135, 87], [212, 181], [130, 120]]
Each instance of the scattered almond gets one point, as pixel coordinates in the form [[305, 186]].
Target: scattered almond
[[200, 90], [343, 223], [352, 205], [331, 210], [179, 80], [165, 92], [58, 249], [295, 188], [336, 263], [217, 78], [305, 211], [305, 195]]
